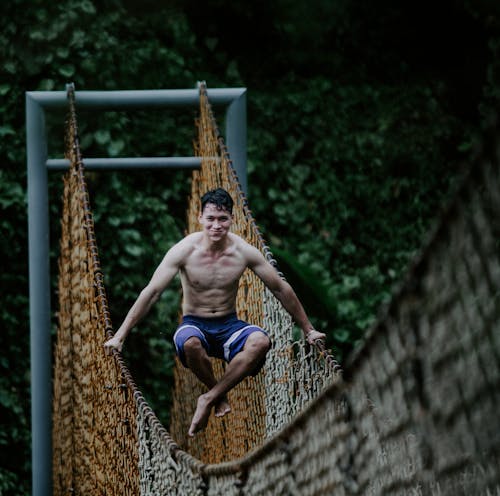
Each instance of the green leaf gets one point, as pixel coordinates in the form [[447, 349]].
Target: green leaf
[[341, 335], [115, 147], [13, 195], [102, 137], [134, 250], [37, 35], [6, 130], [63, 52], [10, 67], [66, 70], [87, 7], [46, 85], [114, 221]]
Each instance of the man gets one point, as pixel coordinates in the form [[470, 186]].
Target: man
[[210, 263]]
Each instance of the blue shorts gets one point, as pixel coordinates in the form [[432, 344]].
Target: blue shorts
[[222, 337]]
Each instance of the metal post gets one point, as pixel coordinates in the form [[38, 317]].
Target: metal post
[[236, 137], [38, 224], [39, 287]]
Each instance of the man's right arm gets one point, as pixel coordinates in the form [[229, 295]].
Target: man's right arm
[[162, 276], [282, 291]]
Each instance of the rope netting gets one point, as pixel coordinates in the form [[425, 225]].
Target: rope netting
[[418, 413], [294, 372], [93, 410]]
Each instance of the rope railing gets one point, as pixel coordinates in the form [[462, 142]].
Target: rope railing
[[416, 411]]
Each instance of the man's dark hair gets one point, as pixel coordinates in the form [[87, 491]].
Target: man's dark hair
[[218, 197]]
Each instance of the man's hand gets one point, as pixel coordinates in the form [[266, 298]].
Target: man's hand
[[313, 335], [115, 343]]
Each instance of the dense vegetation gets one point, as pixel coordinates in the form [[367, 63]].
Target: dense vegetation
[[361, 113]]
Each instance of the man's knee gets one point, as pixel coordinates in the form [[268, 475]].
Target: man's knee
[[193, 346], [259, 342]]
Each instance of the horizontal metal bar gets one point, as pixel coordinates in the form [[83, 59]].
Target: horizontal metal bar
[[135, 98], [129, 163]]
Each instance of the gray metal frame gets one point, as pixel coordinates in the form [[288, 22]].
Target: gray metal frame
[[37, 103]]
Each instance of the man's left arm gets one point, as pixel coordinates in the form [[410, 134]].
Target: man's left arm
[[284, 293]]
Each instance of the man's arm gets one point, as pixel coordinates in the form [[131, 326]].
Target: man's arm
[[162, 276], [283, 292]]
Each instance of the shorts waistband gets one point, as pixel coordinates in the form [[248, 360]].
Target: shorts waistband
[[210, 319]]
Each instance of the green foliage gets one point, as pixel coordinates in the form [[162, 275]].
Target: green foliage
[[352, 197], [356, 123]]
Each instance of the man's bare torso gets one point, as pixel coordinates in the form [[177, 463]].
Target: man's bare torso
[[210, 276]]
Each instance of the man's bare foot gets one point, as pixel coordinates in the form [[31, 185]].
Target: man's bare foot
[[201, 415], [222, 407]]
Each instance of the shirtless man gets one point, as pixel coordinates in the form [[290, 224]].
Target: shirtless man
[[210, 263]]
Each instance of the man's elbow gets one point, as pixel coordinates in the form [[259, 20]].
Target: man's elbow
[[283, 291], [151, 294]]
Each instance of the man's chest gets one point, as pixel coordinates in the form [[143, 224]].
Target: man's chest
[[204, 271]]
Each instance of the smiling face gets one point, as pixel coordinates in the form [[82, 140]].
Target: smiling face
[[215, 222]]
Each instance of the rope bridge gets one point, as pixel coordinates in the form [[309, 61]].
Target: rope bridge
[[416, 412]]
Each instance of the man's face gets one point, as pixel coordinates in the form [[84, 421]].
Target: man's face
[[215, 222]]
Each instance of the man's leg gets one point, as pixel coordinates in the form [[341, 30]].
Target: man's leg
[[242, 365], [198, 361]]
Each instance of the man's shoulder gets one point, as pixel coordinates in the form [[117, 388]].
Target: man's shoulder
[[235, 238], [239, 242], [192, 239], [186, 245], [244, 247]]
